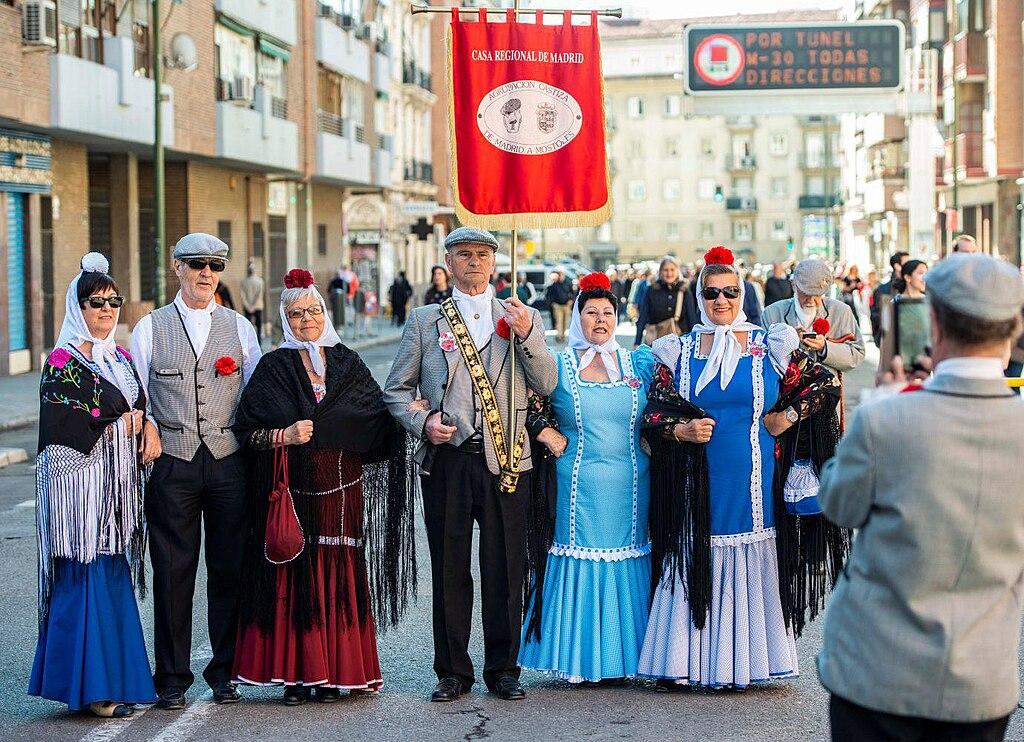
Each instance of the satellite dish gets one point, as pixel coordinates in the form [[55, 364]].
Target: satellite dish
[[183, 54]]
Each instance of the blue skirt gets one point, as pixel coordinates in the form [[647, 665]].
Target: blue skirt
[[91, 648]]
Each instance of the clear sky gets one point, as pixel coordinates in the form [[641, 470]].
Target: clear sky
[[687, 8]]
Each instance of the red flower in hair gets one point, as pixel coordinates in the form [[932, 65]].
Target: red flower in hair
[[503, 329], [225, 365], [719, 255], [596, 280], [821, 326], [298, 278]]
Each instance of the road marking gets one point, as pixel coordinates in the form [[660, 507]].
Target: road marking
[[188, 721], [112, 728], [26, 504]]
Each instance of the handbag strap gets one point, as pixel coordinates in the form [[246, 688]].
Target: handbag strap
[[280, 473], [678, 316]]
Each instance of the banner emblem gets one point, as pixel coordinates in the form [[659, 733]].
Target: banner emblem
[[528, 117]]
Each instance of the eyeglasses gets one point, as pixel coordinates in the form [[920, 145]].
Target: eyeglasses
[[313, 311], [711, 292], [97, 302], [197, 264]]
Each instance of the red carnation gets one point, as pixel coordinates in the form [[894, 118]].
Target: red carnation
[[298, 278], [820, 326], [503, 329], [914, 386], [595, 280], [719, 255], [225, 365]]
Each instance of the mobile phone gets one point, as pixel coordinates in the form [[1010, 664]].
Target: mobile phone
[[809, 335]]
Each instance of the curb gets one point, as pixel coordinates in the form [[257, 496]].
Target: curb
[[10, 456], [18, 422], [358, 345]]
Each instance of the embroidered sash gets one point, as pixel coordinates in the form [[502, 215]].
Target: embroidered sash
[[508, 466]]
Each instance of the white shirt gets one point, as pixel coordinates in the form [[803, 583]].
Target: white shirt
[[476, 311], [971, 367], [197, 326]]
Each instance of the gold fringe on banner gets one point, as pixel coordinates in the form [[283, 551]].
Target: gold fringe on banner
[[529, 220]]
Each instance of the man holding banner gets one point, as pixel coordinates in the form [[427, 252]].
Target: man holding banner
[[456, 355]]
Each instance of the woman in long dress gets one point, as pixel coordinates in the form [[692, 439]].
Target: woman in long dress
[[308, 624], [586, 620], [89, 510], [738, 635]]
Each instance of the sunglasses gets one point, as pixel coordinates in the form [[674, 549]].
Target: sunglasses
[[97, 302], [313, 311], [197, 264], [711, 292]]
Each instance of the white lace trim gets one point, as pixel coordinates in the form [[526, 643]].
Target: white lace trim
[[339, 541], [624, 367], [738, 539], [593, 554], [575, 679], [756, 494], [801, 483], [683, 366], [578, 460], [627, 370]]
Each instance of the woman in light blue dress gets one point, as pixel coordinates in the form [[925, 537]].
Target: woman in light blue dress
[[586, 621]]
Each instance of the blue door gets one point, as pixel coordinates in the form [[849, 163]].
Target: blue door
[[17, 295]]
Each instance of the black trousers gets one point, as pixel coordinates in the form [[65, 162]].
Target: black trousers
[[181, 496], [460, 491], [257, 321], [853, 723]]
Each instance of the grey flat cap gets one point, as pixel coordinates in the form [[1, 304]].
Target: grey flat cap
[[812, 277], [977, 285], [200, 245], [470, 234]]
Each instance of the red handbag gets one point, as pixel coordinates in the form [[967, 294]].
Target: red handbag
[[283, 540]]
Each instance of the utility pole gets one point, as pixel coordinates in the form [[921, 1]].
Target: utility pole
[[956, 169], [158, 159]]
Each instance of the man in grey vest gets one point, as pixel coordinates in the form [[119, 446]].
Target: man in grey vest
[[194, 357], [922, 635], [456, 355]]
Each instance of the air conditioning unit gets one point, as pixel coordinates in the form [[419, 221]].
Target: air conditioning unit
[[241, 89], [364, 31], [345, 20], [39, 22], [748, 203]]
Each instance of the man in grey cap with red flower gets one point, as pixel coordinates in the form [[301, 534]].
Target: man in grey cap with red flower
[[193, 373]]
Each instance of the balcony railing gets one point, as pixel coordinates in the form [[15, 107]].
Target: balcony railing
[[413, 75], [740, 162], [279, 107], [360, 133], [741, 203], [418, 171], [818, 161], [970, 56], [330, 123], [341, 20], [969, 153], [386, 142], [819, 202]]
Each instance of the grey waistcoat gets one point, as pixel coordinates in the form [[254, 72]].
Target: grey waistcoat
[[191, 402]]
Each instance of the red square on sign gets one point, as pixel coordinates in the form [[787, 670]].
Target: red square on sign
[[719, 53]]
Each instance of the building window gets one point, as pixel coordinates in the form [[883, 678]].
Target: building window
[[635, 107], [707, 230], [671, 189], [742, 230], [673, 105], [815, 185], [272, 74], [672, 231], [636, 148], [706, 189], [779, 187], [814, 150], [604, 232], [321, 239], [637, 230], [236, 64], [707, 147], [779, 231], [672, 147], [257, 239], [779, 144], [637, 190], [224, 232]]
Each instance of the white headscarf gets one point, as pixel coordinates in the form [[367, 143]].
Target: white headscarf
[[726, 348], [75, 331], [607, 350], [328, 337]]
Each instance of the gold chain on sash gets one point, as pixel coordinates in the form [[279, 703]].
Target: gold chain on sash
[[509, 469]]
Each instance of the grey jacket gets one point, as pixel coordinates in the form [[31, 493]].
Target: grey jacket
[[843, 356], [926, 619], [442, 379]]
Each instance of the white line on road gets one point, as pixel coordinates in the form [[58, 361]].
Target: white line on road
[[26, 504], [190, 719]]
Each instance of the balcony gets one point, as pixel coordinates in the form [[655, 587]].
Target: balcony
[[741, 204], [887, 161], [383, 162], [813, 202], [970, 161], [818, 161], [276, 18], [970, 57], [342, 155], [106, 101], [413, 75], [340, 50], [879, 128], [417, 171], [740, 163], [255, 135], [382, 72]]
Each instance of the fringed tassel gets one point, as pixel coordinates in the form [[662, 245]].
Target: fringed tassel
[[540, 533]]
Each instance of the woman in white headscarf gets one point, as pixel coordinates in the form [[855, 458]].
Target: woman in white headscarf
[[89, 510], [725, 629], [307, 622], [591, 566]]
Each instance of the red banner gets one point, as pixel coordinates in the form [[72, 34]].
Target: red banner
[[527, 123]]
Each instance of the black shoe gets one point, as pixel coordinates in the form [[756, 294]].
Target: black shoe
[[170, 700], [225, 692], [508, 688], [327, 695], [296, 695], [447, 689]]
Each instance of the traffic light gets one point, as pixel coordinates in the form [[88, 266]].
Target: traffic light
[[790, 245], [719, 195]]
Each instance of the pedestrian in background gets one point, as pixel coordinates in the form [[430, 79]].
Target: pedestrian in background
[[194, 377], [966, 244], [778, 286], [252, 299], [525, 290], [905, 326], [661, 308], [398, 296], [439, 288], [922, 636], [223, 296], [884, 293], [337, 289], [559, 298], [89, 510], [641, 285]]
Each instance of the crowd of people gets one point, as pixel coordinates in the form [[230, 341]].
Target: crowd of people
[[676, 511]]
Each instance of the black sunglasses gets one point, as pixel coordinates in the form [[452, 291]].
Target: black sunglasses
[[197, 264], [711, 292], [97, 302]]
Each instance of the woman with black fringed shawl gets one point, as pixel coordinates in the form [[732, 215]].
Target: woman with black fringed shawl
[[309, 623]]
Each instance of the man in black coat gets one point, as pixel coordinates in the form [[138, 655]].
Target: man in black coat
[[778, 285], [896, 262]]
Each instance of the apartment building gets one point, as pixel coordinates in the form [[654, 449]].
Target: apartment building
[[764, 184], [284, 126]]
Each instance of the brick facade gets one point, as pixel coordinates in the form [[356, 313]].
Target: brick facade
[[24, 74], [70, 217]]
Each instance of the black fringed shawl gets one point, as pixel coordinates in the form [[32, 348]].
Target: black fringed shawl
[[680, 510], [351, 420], [540, 529], [811, 549]]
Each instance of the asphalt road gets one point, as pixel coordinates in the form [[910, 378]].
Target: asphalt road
[[794, 710]]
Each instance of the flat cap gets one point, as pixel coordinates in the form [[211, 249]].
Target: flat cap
[[470, 234], [977, 285], [200, 245], [812, 277]]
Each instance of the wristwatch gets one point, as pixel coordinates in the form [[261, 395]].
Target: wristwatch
[[792, 415]]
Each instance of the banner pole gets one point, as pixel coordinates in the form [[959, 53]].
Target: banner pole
[[608, 12], [512, 337]]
